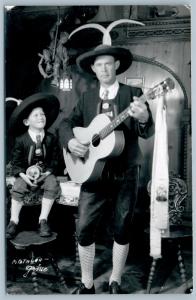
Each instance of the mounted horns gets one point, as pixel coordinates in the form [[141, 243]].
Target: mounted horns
[[106, 31]]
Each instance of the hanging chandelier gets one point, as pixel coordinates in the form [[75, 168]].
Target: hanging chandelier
[[54, 60]]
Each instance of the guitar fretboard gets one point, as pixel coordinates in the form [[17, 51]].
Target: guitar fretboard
[[118, 120], [159, 89]]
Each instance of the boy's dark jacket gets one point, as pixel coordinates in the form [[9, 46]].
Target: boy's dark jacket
[[24, 148]]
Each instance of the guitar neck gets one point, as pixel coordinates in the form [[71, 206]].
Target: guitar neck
[[118, 120], [158, 90]]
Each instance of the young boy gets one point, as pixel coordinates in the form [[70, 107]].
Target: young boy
[[34, 157]]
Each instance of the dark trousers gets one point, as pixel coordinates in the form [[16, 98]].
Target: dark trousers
[[123, 194]]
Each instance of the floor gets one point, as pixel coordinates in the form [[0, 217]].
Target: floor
[[167, 277], [134, 281]]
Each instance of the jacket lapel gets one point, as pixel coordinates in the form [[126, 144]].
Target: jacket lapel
[[30, 156]]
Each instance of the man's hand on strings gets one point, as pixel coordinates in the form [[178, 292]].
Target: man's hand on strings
[[77, 148]]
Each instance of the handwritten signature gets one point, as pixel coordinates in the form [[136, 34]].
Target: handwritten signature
[[31, 265]]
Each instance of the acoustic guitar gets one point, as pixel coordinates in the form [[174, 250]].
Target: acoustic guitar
[[104, 141]]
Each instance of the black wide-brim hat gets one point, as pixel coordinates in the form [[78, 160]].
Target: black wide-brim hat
[[48, 102], [85, 60]]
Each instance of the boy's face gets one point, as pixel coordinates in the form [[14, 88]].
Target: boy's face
[[36, 119]]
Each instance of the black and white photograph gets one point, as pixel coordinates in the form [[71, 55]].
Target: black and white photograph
[[98, 149]]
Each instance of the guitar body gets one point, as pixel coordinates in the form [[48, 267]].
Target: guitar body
[[91, 166]]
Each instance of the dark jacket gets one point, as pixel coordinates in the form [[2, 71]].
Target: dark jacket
[[22, 155], [87, 109]]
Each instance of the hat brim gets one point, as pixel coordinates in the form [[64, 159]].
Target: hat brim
[[85, 60], [48, 102]]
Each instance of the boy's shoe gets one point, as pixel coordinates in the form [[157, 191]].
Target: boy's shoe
[[11, 230], [44, 229], [83, 290]]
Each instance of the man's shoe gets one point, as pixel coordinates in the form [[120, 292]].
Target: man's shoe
[[11, 230], [44, 229], [114, 288], [83, 290]]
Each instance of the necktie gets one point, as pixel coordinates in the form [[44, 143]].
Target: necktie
[[105, 94], [38, 148]]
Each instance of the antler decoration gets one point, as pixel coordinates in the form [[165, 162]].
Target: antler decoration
[[106, 31]]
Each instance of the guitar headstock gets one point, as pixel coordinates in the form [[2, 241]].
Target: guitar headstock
[[160, 89]]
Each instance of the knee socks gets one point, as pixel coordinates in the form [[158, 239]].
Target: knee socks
[[119, 257], [87, 255], [45, 208], [15, 210]]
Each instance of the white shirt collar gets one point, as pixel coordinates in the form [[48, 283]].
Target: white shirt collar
[[112, 90], [33, 135]]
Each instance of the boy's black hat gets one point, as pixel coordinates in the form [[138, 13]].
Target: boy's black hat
[[48, 102]]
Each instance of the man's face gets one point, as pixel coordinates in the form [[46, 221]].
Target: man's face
[[105, 68], [36, 120]]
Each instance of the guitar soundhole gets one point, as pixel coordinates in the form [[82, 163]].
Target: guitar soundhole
[[96, 140]]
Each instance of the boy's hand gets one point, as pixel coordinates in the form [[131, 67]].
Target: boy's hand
[[43, 176], [27, 179]]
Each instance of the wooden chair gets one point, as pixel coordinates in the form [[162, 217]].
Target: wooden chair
[[178, 231], [31, 242]]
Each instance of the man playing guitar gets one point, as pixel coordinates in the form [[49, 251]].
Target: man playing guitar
[[119, 174]]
